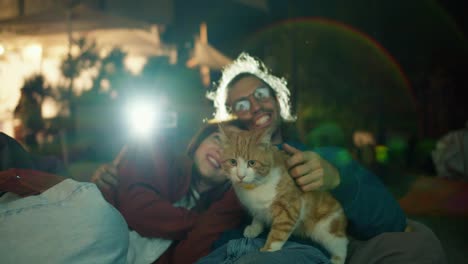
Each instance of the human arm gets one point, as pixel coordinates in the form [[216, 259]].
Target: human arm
[[26, 182], [370, 208], [105, 176], [310, 170], [106, 179], [144, 185], [147, 191], [152, 215], [225, 214]]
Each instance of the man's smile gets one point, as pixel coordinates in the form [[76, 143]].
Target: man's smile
[[262, 120]]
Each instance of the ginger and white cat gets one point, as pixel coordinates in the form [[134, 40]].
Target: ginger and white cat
[[262, 183]]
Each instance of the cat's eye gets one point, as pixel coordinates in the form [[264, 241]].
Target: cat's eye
[[251, 163], [233, 162]]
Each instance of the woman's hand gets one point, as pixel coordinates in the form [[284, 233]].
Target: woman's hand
[[310, 171], [105, 177]]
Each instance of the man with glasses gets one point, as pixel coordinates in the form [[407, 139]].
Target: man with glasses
[[258, 99]]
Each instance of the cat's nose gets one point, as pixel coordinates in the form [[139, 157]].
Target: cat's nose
[[241, 177]]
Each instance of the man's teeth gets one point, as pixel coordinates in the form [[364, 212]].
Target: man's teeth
[[215, 162], [262, 120]]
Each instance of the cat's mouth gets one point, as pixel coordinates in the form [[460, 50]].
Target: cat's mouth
[[213, 161], [262, 120]]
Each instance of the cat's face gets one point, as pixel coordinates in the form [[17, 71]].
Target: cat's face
[[246, 157]]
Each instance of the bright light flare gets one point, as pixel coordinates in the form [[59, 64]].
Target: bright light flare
[[135, 64], [50, 108], [2, 50], [33, 52], [142, 117]]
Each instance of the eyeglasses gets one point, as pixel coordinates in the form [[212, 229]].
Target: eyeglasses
[[243, 105]]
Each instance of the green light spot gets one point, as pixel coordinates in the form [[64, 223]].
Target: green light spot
[[381, 153], [343, 157]]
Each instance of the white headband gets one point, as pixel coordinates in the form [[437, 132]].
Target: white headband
[[247, 64]]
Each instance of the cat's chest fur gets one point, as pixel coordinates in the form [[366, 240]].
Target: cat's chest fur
[[258, 200]]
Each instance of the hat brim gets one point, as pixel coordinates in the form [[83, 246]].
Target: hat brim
[[216, 121]]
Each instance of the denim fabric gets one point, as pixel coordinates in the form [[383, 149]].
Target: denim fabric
[[68, 223], [246, 251]]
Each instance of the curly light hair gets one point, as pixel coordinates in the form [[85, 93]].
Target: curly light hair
[[245, 65]]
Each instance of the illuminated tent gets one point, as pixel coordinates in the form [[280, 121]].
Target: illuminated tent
[[206, 56], [38, 42], [54, 27], [81, 18]]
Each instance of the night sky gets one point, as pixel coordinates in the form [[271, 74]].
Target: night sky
[[428, 39]]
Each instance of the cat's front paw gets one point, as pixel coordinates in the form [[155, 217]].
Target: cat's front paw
[[264, 249], [252, 231], [275, 246], [337, 260]]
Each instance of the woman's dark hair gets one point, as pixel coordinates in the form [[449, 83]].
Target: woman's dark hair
[[215, 194], [204, 132]]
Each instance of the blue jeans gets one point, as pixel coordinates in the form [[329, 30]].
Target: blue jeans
[[419, 246], [246, 251]]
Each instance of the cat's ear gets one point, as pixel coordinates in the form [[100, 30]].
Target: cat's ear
[[223, 133], [226, 131]]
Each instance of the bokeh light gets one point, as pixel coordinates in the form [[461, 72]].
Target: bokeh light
[[142, 118], [32, 52]]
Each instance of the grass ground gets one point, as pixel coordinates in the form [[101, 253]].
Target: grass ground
[[452, 232], [426, 207]]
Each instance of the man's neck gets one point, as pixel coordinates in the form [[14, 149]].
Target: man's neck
[[277, 137]]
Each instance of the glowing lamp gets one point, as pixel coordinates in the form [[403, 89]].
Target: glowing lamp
[[142, 117], [33, 52]]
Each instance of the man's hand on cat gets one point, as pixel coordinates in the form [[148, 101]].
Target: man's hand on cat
[[105, 177], [311, 171]]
